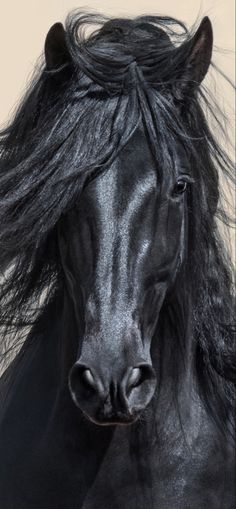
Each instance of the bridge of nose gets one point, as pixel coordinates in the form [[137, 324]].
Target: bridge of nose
[[123, 202], [110, 348]]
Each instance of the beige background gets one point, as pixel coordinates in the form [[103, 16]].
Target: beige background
[[24, 24]]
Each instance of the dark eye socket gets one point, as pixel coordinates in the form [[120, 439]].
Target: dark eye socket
[[180, 187]]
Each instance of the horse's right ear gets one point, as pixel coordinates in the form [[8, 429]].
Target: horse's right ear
[[55, 49]]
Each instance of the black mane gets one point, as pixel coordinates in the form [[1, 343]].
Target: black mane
[[72, 122]]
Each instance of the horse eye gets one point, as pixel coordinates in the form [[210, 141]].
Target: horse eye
[[180, 187]]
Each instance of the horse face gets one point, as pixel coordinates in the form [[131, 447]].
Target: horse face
[[124, 247]]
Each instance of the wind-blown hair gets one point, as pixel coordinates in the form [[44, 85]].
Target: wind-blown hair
[[71, 124]]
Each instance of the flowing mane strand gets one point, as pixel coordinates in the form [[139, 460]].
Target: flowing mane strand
[[71, 124]]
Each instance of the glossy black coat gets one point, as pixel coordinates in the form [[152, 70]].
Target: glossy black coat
[[123, 251], [121, 395]]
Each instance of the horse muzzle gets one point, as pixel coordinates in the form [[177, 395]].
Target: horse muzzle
[[117, 399]]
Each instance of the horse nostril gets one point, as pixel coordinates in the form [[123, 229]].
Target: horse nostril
[[139, 375], [88, 377], [135, 378], [82, 381]]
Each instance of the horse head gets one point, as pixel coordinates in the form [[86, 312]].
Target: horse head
[[121, 248]]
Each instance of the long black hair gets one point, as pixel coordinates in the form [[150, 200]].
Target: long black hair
[[79, 111]]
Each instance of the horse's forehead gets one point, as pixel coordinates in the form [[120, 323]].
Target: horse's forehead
[[134, 171], [133, 165], [137, 155]]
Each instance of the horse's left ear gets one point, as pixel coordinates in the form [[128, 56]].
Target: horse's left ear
[[56, 50], [198, 59]]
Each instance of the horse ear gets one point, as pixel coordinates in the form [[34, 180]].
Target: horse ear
[[55, 49], [198, 58]]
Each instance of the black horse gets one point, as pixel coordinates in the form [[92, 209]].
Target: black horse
[[115, 277]]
